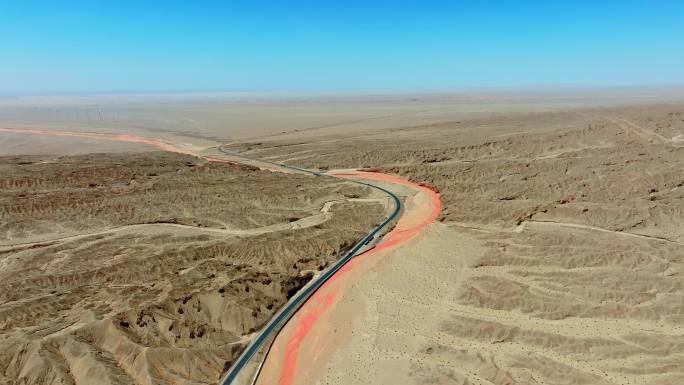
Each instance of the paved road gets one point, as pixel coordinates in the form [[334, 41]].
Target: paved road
[[263, 339], [271, 330]]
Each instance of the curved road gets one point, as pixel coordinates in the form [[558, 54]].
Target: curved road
[[311, 337], [271, 330], [280, 319]]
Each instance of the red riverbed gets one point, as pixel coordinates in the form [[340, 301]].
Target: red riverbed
[[281, 364]]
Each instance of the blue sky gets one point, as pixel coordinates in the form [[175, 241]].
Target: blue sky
[[324, 45]]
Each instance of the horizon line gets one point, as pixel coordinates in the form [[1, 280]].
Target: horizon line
[[333, 92]]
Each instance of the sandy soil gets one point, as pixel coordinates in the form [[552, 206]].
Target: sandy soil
[[557, 258], [204, 119], [326, 319], [154, 268], [21, 144]]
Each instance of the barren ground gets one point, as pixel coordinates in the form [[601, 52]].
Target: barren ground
[[558, 257], [151, 268]]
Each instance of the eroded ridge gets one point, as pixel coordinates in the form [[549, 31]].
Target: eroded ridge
[[154, 267], [556, 259]]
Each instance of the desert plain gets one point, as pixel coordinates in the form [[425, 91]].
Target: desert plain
[[557, 256]]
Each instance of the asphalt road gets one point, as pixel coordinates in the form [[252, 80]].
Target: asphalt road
[[263, 339], [276, 324]]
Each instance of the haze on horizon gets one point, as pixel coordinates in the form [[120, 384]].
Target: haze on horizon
[[127, 46]]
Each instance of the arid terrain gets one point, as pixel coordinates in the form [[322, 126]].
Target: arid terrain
[[152, 268], [557, 257]]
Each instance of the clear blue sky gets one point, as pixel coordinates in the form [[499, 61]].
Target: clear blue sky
[[100, 45]]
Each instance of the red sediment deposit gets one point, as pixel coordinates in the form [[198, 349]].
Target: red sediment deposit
[[159, 144], [414, 220]]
